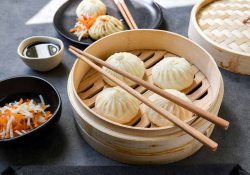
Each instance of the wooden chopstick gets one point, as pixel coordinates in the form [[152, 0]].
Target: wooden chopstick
[[125, 8], [124, 14], [185, 127], [189, 106]]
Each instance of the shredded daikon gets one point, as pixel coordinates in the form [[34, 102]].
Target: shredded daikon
[[81, 33], [24, 131], [41, 119], [11, 131], [18, 118], [41, 98], [8, 124], [18, 132]]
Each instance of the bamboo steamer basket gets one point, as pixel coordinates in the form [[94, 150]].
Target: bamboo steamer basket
[[140, 142], [218, 27]]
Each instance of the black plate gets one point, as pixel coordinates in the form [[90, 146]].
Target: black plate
[[146, 13]]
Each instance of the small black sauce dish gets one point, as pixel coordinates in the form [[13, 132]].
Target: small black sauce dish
[[14, 88]]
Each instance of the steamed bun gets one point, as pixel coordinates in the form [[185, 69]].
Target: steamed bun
[[173, 73], [117, 105], [89, 7], [169, 106], [127, 62], [105, 25]]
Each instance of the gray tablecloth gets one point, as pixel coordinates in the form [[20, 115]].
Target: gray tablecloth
[[64, 146]]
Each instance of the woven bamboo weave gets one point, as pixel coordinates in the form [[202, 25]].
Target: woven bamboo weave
[[222, 22]]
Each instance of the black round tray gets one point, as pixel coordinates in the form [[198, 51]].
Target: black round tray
[[147, 15]]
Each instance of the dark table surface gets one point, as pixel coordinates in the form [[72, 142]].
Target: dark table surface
[[64, 146]]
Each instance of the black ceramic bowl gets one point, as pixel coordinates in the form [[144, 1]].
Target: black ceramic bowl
[[14, 88]]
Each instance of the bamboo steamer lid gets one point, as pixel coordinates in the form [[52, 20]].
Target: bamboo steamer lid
[[218, 27]]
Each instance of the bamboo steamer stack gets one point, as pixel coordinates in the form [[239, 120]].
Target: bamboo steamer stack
[[218, 27], [139, 141]]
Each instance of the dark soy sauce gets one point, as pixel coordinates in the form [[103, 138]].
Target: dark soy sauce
[[41, 49]]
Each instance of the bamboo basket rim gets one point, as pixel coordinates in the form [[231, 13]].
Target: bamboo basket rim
[[194, 12], [140, 128]]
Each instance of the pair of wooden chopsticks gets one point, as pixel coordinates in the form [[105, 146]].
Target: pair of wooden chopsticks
[[184, 126], [126, 14]]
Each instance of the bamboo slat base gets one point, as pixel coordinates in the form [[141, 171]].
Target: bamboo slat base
[[199, 92]]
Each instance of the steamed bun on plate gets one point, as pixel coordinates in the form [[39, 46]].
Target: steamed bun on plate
[[89, 7], [127, 62], [173, 73], [105, 25], [169, 106], [117, 105]]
